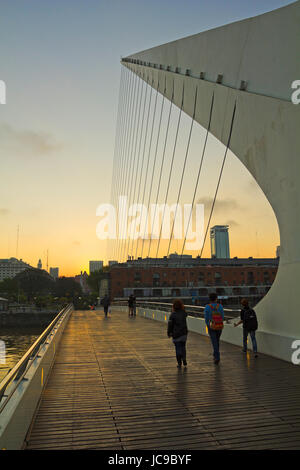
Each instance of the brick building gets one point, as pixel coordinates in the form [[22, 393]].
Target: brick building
[[194, 278]]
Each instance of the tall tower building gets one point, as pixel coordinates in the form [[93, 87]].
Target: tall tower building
[[54, 272], [39, 265], [219, 241], [96, 266]]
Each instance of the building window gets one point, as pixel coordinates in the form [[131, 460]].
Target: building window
[[218, 278], [201, 279], [156, 280], [250, 278]]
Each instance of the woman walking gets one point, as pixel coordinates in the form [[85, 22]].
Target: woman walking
[[177, 329]]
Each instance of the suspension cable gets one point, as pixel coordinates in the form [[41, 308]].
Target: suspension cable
[[117, 145], [125, 105], [133, 115], [134, 170], [127, 124], [161, 166], [144, 150], [198, 175], [220, 176], [183, 170], [171, 169], [155, 157], [139, 158], [148, 160]]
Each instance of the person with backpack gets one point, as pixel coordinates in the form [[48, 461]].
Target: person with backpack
[[250, 325], [214, 319], [177, 329]]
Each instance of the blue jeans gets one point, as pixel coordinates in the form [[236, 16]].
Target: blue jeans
[[180, 351], [215, 340], [253, 339]]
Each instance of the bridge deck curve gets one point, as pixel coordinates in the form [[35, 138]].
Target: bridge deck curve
[[115, 385]]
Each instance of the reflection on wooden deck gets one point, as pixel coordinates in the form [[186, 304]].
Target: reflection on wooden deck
[[115, 385]]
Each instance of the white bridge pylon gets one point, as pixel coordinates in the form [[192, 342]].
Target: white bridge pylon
[[252, 63]]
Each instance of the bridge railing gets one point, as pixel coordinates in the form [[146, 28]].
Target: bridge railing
[[17, 373], [192, 310]]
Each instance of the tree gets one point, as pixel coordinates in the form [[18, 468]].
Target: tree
[[9, 289], [95, 278], [34, 282], [67, 287]]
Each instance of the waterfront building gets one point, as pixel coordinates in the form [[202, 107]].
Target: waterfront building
[[9, 268]]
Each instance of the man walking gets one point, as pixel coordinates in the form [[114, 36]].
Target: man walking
[[106, 304], [131, 306], [214, 319], [249, 320]]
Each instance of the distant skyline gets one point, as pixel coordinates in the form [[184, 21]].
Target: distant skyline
[[60, 61]]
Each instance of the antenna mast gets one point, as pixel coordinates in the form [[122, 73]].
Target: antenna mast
[[17, 248]]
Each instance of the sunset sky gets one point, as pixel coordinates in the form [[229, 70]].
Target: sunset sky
[[60, 61]]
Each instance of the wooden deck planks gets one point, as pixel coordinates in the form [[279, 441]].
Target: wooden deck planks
[[115, 385]]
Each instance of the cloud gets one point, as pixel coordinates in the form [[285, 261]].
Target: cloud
[[25, 143], [4, 211], [232, 223], [75, 242], [221, 205]]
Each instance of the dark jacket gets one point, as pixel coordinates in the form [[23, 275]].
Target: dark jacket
[[249, 319], [106, 301], [131, 301], [177, 324]]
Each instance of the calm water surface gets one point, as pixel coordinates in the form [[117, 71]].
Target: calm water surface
[[16, 342]]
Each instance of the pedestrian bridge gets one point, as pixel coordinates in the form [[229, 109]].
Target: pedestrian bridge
[[113, 384], [237, 82]]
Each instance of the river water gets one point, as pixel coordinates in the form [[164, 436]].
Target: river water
[[14, 342]]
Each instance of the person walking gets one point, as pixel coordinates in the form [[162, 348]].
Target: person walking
[[106, 304], [130, 305], [134, 305], [214, 319], [250, 325], [177, 329]]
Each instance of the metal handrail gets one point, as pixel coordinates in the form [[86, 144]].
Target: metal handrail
[[193, 309], [18, 372]]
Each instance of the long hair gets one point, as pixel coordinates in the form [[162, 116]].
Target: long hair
[[178, 305]]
